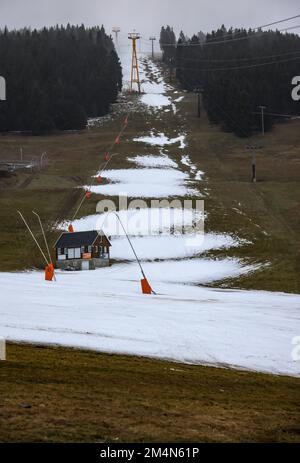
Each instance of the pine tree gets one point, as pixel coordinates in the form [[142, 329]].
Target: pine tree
[[57, 77], [239, 70]]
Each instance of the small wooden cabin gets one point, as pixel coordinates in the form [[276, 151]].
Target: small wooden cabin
[[82, 251]]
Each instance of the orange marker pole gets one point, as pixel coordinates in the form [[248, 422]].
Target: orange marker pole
[[51, 266], [146, 288]]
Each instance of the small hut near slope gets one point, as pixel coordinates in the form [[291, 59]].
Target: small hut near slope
[[82, 251]]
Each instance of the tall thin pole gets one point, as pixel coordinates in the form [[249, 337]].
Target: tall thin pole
[[116, 31], [254, 149], [254, 166], [262, 108], [45, 239], [44, 236], [34, 238], [133, 250], [131, 245], [152, 38], [198, 93]]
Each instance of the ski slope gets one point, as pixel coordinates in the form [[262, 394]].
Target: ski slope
[[105, 311]]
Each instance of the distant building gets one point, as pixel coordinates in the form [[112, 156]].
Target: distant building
[[82, 251]]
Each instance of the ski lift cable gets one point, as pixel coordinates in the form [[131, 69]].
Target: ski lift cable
[[248, 66], [251, 28], [223, 39], [256, 58], [102, 166]]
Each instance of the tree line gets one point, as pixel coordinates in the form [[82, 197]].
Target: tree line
[[168, 45], [237, 71], [57, 77]]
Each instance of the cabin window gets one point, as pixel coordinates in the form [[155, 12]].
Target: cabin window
[[61, 251], [71, 253], [90, 249], [74, 253], [82, 249], [96, 250], [77, 253]]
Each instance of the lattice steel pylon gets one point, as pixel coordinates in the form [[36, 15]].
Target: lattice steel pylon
[[135, 76]]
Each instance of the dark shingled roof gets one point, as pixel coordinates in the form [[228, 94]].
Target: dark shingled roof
[[76, 240]]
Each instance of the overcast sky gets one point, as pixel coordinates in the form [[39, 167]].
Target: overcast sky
[[147, 16]]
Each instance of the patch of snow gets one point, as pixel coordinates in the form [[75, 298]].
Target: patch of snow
[[185, 160], [153, 176], [161, 140], [171, 247], [153, 161], [195, 271], [145, 183], [97, 121], [138, 190], [141, 222], [155, 100], [199, 175], [105, 311]]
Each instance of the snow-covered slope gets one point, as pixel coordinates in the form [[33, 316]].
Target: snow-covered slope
[[104, 310]]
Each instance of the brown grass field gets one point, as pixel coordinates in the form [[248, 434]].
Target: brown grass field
[[62, 395]]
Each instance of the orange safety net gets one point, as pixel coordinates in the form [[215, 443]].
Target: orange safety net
[[70, 228], [88, 194], [146, 288], [49, 272], [99, 179]]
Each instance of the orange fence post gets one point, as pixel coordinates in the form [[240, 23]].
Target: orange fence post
[[146, 288], [49, 272]]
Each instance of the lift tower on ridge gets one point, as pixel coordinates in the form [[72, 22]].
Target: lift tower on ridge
[[135, 76], [116, 31], [152, 38]]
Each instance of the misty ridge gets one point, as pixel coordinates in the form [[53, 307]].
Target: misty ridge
[[59, 77]]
